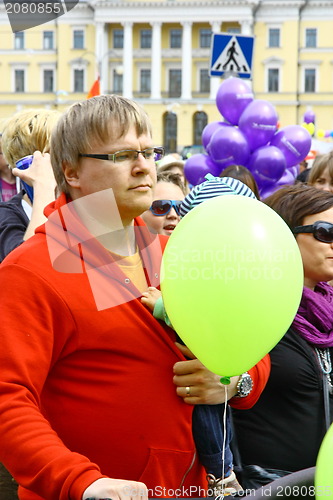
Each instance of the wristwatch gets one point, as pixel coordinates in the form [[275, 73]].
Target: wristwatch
[[244, 386]]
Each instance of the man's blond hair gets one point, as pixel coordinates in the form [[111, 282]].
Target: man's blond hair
[[98, 120]]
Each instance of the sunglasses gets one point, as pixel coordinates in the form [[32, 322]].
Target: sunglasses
[[321, 230], [163, 207]]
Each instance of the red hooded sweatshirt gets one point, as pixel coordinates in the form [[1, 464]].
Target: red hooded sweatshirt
[[86, 386]]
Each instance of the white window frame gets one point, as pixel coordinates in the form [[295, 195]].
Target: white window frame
[[315, 68], [53, 39], [44, 67], [276, 27], [22, 37], [19, 66], [79, 28], [273, 63], [314, 64]]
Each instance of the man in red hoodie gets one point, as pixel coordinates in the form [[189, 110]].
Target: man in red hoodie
[[94, 392]]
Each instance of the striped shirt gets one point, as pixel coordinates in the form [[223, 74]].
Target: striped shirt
[[212, 187]]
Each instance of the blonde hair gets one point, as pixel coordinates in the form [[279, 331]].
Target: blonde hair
[[97, 120], [26, 132]]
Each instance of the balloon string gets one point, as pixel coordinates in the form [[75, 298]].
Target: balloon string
[[224, 432]]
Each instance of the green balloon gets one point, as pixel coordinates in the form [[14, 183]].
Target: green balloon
[[231, 280], [324, 474]]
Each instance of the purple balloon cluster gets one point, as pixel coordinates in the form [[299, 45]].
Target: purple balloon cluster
[[249, 136]]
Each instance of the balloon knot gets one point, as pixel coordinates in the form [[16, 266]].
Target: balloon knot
[[225, 380]]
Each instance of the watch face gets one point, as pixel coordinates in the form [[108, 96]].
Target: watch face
[[245, 385]]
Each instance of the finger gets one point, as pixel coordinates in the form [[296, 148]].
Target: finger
[[185, 350], [186, 367]]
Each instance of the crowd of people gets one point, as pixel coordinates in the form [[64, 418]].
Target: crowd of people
[[99, 397]]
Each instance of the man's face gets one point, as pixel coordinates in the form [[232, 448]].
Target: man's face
[[132, 182]]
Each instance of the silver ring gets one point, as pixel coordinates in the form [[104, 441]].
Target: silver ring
[[188, 391]]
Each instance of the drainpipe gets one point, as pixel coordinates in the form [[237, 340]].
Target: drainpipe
[[298, 105]]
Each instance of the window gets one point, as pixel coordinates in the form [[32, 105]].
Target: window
[[145, 39], [19, 40], [309, 80], [19, 75], [117, 82], [78, 80], [311, 37], [78, 39], [48, 80], [145, 80], [205, 38], [175, 38], [204, 81], [118, 39], [233, 30], [274, 37], [170, 132], [48, 40], [175, 82], [273, 80], [200, 120]]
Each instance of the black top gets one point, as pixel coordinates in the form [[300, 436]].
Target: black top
[[13, 224], [286, 426]]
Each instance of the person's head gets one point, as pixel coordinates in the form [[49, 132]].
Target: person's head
[[321, 172], [242, 174], [28, 131], [175, 165], [163, 215], [105, 125], [300, 205], [212, 187]]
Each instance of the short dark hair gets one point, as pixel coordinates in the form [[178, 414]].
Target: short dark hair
[[244, 175], [294, 203]]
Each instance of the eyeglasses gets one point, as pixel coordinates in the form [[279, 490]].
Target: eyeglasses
[[321, 230], [163, 207], [129, 155]]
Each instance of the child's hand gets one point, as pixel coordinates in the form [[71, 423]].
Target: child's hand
[[150, 297]]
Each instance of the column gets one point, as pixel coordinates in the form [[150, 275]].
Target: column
[[99, 51], [187, 61], [128, 60], [246, 28], [156, 61], [215, 81]]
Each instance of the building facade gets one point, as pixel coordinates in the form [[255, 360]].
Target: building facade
[[158, 52]]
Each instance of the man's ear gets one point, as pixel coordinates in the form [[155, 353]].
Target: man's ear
[[71, 175]]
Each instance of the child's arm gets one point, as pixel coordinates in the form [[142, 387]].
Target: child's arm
[[153, 300]]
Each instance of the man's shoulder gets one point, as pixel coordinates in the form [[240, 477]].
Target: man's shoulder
[[32, 253]]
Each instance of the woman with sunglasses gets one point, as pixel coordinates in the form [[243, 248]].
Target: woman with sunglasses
[[163, 215], [283, 432]]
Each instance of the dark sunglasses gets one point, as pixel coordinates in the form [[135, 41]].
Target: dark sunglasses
[[163, 207], [321, 230]]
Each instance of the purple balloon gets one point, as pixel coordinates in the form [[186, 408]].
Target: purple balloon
[[267, 165], [232, 98], [197, 166], [309, 116], [258, 123], [294, 142], [209, 130], [228, 146], [288, 178]]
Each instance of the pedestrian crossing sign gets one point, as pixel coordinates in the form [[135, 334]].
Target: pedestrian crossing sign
[[231, 54]]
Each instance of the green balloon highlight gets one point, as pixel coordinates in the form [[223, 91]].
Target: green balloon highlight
[[231, 280], [324, 474]]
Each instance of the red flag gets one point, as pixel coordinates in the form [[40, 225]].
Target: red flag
[[95, 89]]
